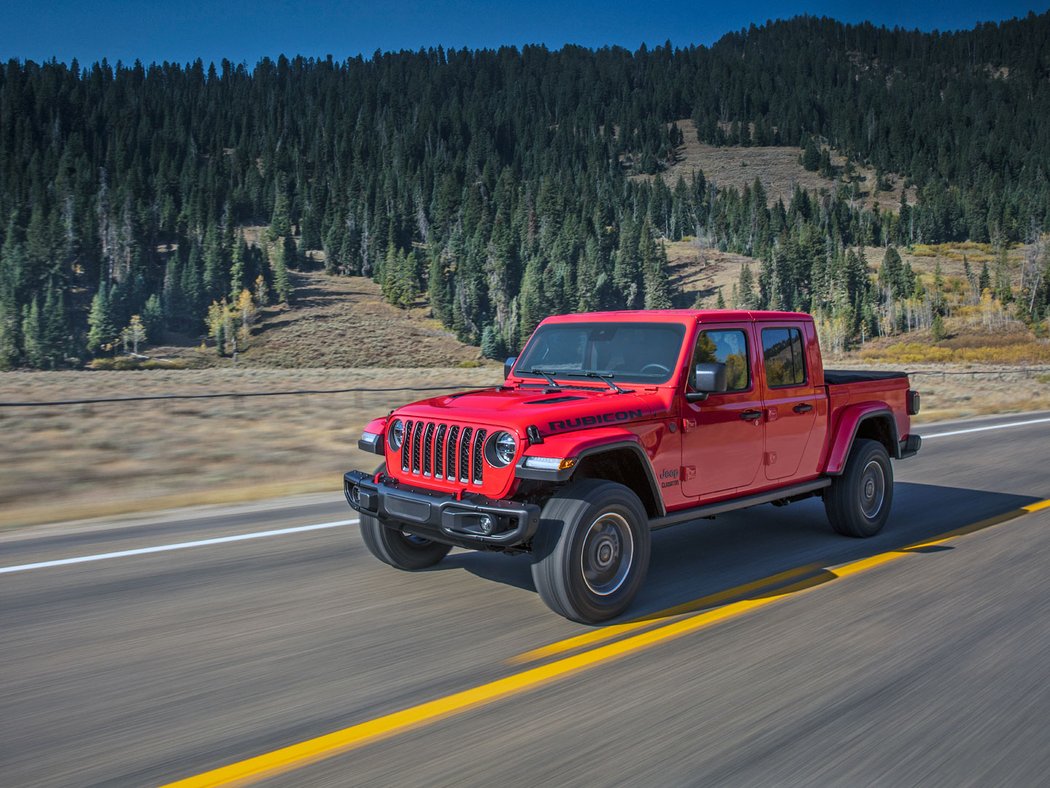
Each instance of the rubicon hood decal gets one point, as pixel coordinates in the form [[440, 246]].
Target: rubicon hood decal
[[561, 425]]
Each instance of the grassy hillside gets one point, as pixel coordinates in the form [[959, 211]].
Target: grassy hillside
[[344, 322], [699, 270], [338, 322], [778, 170]]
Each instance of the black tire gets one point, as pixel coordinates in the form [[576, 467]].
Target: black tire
[[391, 545], [591, 552], [858, 502]]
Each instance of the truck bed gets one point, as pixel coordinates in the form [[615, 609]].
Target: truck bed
[[836, 377]]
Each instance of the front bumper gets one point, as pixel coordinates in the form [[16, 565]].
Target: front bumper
[[473, 521]]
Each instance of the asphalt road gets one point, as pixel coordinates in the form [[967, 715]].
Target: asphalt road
[[919, 667]]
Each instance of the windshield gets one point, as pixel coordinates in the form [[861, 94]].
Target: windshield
[[628, 352]]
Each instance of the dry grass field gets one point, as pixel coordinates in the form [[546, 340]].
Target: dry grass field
[[74, 461]]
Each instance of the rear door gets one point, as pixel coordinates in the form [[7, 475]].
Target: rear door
[[790, 398], [722, 437]]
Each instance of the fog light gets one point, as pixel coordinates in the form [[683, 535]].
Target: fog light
[[355, 495], [487, 523]]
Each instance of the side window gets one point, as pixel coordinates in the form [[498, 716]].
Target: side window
[[727, 347], [784, 357]]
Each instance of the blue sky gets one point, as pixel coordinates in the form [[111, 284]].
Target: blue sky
[[244, 31]]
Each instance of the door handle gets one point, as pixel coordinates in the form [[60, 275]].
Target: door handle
[[751, 415], [803, 407]]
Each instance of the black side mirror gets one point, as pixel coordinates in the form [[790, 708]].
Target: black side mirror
[[508, 365], [707, 379]]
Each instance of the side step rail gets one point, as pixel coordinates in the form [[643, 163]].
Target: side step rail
[[711, 509]]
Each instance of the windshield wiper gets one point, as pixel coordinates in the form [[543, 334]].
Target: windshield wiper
[[605, 377], [548, 376]]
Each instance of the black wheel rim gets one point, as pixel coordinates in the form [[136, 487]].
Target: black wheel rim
[[872, 489], [607, 554]]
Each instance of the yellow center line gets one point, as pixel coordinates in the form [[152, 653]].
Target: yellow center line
[[652, 619], [328, 745]]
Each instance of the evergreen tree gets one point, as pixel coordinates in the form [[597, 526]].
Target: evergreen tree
[[54, 328], [439, 294], [746, 296], [984, 282], [102, 330], [627, 270], [811, 155], [826, 169], [531, 301], [192, 286], [654, 271], [938, 301], [238, 267], [937, 329], [153, 318], [280, 218], [32, 340], [10, 313], [491, 344], [282, 285], [213, 278]]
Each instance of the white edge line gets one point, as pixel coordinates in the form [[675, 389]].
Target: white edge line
[[983, 429], [178, 546]]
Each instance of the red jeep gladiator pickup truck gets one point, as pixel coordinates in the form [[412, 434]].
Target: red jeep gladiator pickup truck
[[610, 425]]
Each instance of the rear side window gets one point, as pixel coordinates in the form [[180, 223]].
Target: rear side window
[[727, 347], [785, 361]]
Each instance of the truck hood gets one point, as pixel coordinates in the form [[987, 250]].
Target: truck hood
[[557, 411]]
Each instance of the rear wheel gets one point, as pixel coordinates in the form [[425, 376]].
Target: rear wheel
[[591, 553], [858, 502]]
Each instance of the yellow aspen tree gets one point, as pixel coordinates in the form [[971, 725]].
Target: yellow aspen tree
[[134, 334], [246, 313]]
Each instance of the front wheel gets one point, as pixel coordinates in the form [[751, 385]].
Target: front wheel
[[401, 550], [858, 502], [591, 553]]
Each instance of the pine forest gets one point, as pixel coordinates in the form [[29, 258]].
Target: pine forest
[[500, 186]]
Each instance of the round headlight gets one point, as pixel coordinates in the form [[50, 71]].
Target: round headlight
[[397, 434], [502, 448]]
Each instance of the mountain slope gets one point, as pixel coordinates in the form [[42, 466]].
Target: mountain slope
[[340, 321]]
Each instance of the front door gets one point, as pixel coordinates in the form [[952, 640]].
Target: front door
[[722, 437]]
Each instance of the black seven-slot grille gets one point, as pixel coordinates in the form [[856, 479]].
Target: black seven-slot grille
[[444, 451]]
